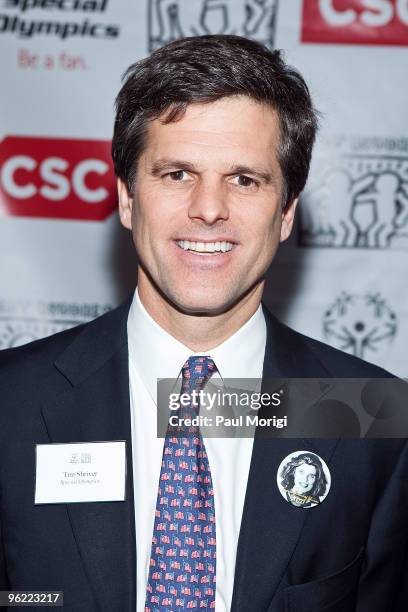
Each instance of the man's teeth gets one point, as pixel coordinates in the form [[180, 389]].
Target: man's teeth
[[205, 247]]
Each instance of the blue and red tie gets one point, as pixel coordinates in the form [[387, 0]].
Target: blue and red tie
[[183, 555]]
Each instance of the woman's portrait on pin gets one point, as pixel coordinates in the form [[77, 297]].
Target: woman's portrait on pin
[[303, 479]]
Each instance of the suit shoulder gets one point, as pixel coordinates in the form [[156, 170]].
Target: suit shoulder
[[31, 368], [46, 350], [42, 351], [28, 375]]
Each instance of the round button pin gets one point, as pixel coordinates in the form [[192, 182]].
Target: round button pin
[[303, 479]]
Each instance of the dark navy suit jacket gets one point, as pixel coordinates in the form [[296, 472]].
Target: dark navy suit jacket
[[348, 554]]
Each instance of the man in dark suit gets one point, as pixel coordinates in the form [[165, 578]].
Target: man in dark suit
[[212, 145]]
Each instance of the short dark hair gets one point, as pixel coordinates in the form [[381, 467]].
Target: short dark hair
[[201, 69]]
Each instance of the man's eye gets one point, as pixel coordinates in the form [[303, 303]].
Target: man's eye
[[245, 181], [177, 175]]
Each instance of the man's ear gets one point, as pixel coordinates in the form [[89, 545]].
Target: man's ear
[[288, 217], [125, 202]]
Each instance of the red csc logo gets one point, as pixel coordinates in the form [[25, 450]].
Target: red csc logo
[[365, 22], [56, 178]]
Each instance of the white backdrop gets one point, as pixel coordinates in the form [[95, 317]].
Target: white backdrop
[[64, 258]]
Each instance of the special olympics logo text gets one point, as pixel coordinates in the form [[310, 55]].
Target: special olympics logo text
[[173, 19], [56, 178]]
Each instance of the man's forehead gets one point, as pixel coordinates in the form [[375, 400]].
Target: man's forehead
[[222, 126]]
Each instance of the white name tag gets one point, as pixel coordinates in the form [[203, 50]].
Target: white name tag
[[80, 472]]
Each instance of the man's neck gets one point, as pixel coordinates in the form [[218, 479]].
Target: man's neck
[[199, 332]]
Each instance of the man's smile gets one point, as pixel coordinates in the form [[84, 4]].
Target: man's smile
[[194, 254], [206, 248]]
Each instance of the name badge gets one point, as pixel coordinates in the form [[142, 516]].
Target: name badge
[[80, 472]]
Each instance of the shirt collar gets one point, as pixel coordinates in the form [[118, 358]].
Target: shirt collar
[[157, 354]]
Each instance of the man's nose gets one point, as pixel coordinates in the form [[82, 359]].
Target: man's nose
[[209, 202]]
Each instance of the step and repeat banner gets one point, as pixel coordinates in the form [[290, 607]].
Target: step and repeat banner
[[64, 259]]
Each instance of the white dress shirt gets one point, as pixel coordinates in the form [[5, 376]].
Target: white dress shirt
[[153, 354]]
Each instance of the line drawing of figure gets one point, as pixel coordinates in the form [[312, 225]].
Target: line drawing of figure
[[336, 200], [401, 219], [389, 199], [180, 18], [250, 15]]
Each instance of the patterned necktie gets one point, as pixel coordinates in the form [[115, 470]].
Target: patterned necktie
[[182, 562]]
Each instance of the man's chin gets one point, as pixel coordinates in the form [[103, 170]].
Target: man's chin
[[203, 309], [203, 305]]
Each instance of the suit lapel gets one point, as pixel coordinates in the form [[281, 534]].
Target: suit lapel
[[97, 408], [270, 526]]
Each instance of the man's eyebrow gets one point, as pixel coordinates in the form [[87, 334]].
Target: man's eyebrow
[[163, 164], [260, 173]]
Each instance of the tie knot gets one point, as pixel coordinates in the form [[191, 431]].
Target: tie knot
[[196, 371]]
